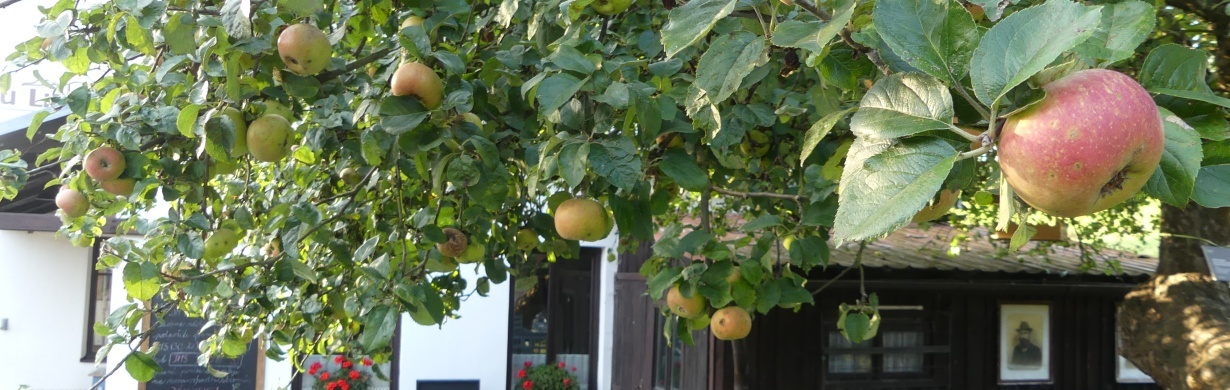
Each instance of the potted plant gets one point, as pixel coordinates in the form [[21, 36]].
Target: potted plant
[[342, 374], [547, 377]]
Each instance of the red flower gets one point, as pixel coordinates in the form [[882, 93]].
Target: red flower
[[354, 375], [367, 362], [338, 359], [324, 376], [521, 374], [344, 385], [316, 366], [347, 364], [312, 371], [528, 364], [331, 386], [567, 382], [527, 385], [561, 365]]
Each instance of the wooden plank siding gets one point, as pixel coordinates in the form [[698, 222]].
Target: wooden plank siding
[[634, 325], [785, 346]]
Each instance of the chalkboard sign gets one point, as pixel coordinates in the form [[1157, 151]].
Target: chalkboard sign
[[178, 339], [1219, 262]]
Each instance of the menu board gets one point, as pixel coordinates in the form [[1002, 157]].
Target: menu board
[[178, 340]]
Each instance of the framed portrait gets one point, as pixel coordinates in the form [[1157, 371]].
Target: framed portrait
[[1024, 343], [1125, 371]]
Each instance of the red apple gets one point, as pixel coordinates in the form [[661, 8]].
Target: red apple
[[72, 202], [1091, 143], [104, 163]]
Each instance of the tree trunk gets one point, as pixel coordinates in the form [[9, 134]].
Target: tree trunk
[[1176, 327]]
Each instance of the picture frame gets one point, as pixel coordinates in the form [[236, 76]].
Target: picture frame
[[1125, 371], [1025, 343]]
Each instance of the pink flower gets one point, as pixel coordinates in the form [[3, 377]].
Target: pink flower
[[521, 374], [367, 362], [527, 385], [354, 375]]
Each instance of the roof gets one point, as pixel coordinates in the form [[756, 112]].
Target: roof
[[914, 247]]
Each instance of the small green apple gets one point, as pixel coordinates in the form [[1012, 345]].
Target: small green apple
[[304, 49], [269, 138]]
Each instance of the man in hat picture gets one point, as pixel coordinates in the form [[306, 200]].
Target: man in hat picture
[[1026, 354]]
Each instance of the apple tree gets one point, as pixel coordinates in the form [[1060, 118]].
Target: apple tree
[[304, 171]]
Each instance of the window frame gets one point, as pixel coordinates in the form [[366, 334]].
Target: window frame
[[89, 349], [593, 255], [935, 350]]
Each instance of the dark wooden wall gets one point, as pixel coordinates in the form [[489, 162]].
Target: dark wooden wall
[[784, 347]]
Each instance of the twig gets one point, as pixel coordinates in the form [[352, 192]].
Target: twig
[[973, 102], [772, 195], [7, 3], [858, 262], [354, 65], [845, 37]]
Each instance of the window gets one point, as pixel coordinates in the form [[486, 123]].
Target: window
[[668, 359], [554, 315], [908, 352], [98, 304]]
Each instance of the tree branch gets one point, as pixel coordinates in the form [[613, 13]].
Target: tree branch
[[773, 195], [845, 37], [7, 3], [858, 263]]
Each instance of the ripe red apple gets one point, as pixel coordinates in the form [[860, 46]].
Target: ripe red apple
[[269, 138], [413, 78], [121, 187], [304, 49], [582, 219], [1090, 144], [72, 202], [104, 163]]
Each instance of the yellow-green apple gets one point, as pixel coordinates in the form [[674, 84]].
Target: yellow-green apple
[[938, 207], [269, 138], [304, 49], [412, 20], [274, 107], [104, 163], [1091, 143], [351, 176], [119, 186], [72, 202], [221, 242], [418, 80], [731, 323], [582, 219], [611, 7], [455, 244], [474, 253], [241, 130], [685, 307], [527, 239]]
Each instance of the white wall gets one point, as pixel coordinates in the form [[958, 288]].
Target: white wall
[[473, 347], [44, 286]]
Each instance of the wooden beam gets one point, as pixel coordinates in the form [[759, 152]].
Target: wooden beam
[[44, 223]]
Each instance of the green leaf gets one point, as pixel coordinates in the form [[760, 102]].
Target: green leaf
[[1021, 237], [573, 159], [695, 240], [885, 183], [295, 85], [1124, 27], [1026, 42], [79, 100], [557, 90], [743, 293], [378, 326], [1175, 67], [768, 295], [366, 249], [792, 292], [236, 18], [686, 25], [569, 58], [1213, 186], [35, 123], [141, 280], [856, 327], [139, 38], [663, 281], [142, 366], [762, 222], [937, 37], [617, 161], [186, 122], [1175, 177], [903, 104], [727, 61], [811, 35], [1207, 97], [682, 167], [399, 114], [430, 309], [993, 8], [818, 131]]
